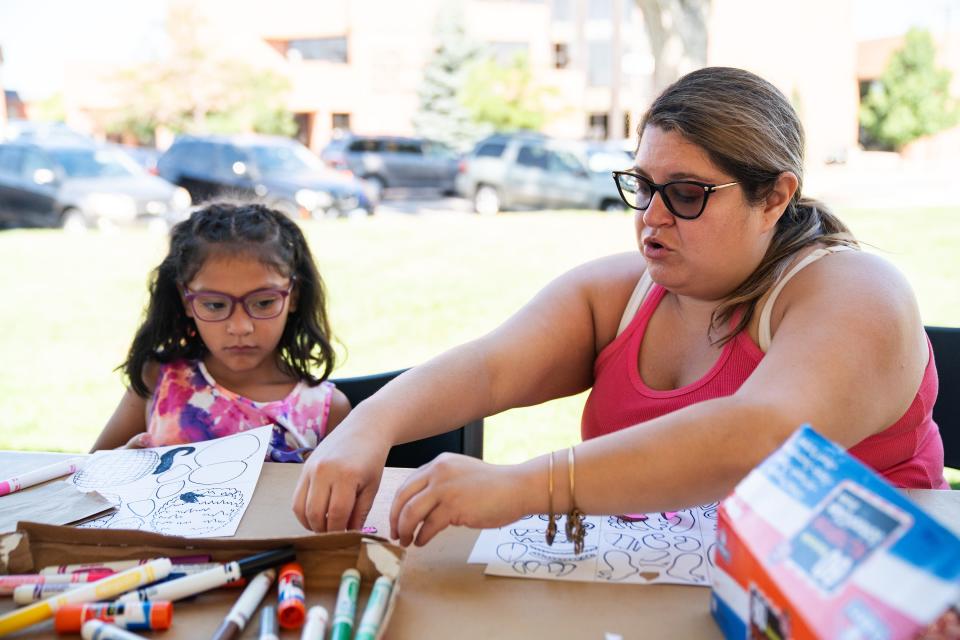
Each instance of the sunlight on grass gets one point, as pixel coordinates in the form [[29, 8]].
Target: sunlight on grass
[[401, 289]]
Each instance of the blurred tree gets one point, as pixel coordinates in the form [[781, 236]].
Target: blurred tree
[[193, 90], [911, 99], [505, 97], [50, 109], [442, 115], [677, 30]]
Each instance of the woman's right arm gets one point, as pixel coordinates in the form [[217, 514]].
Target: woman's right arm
[[545, 351]]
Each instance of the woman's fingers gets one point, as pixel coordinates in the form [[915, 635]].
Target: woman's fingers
[[414, 484], [363, 506], [343, 497], [414, 511], [436, 521]]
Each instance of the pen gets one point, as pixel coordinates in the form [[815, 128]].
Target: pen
[[316, 625], [268, 624], [100, 630], [245, 606], [376, 606], [36, 476], [103, 589], [9, 583], [212, 578], [346, 605]]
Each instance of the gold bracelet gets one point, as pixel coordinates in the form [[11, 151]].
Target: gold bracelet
[[551, 517], [574, 529]]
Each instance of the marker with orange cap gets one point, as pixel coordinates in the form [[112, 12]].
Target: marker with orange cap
[[136, 616], [291, 601]]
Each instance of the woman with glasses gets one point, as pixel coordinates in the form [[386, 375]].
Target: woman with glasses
[[235, 329], [747, 311]]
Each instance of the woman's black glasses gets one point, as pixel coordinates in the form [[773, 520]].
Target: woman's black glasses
[[684, 198]]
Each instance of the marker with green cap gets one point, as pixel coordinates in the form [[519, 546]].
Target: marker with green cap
[[346, 606], [376, 606]]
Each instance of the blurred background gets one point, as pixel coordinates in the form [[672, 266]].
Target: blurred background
[[446, 159]]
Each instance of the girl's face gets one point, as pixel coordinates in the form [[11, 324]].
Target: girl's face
[[241, 343], [711, 255]]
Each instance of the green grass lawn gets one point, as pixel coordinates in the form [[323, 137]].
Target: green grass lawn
[[401, 289]]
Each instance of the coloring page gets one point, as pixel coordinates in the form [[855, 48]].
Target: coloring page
[[197, 490], [664, 548]]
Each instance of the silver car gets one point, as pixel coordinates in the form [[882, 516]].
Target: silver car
[[531, 171]]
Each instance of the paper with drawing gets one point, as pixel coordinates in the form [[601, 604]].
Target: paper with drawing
[[198, 490], [675, 548]]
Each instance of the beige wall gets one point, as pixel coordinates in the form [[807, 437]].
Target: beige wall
[[807, 50]]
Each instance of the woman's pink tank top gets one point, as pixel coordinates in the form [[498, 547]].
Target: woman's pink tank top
[[909, 453]]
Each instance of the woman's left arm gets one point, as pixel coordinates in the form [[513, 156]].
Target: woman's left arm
[[847, 356]]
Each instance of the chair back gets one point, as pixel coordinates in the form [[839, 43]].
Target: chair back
[[946, 410], [467, 439]]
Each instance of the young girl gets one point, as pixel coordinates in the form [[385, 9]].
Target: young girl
[[235, 323]]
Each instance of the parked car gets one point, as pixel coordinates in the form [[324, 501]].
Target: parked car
[[393, 161], [77, 185], [534, 171], [278, 171]]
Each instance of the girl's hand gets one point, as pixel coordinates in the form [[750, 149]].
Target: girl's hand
[[457, 490], [340, 479], [139, 441]]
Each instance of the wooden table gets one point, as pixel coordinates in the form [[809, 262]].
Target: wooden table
[[444, 597]]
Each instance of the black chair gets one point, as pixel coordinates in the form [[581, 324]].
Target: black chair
[[946, 411], [468, 439]]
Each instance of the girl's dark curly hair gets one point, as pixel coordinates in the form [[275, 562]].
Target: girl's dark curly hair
[[168, 334]]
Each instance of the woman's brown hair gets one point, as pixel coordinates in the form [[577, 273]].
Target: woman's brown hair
[[752, 133]]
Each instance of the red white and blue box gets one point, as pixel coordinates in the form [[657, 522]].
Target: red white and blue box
[[813, 544]]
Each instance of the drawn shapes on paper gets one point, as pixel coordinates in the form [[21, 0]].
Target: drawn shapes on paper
[[175, 472], [679, 521], [170, 488], [218, 473], [128, 522], [554, 568], [201, 511], [656, 541], [239, 447], [617, 566], [511, 551], [142, 508], [687, 566], [712, 549], [115, 468], [686, 543], [98, 523], [616, 522], [166, 460], [710, 510]]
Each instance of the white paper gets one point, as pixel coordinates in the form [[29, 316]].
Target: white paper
[[197, 490], [658, 550]]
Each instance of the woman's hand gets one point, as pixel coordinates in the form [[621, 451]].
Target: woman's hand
[[340, 479], [139, 441], [457, 490]]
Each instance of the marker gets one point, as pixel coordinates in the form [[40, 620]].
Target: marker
[[27, 593], [104, 589], [212, 578], [120, 565], [36, 476], [100, 630], [316, 624], [268, 624], [291, 601], [346, 605], [245, 606], [135, 616], [376, 606], [9, 583]]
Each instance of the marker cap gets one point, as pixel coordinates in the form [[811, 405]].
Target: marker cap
[[70, 618], [291, 608]]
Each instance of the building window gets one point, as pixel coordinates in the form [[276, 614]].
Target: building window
[[600, 9], [506, 52], [340, 121], [304, 122], [561, 55], [325, 49], [563, 10], [597, 126]]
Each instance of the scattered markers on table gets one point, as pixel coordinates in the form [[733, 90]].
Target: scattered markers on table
[[672, 547]]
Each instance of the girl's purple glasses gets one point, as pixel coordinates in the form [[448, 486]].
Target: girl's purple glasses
[[214, 306]]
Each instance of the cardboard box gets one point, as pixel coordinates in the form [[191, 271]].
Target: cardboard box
[[324, 558], [813, 544]]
